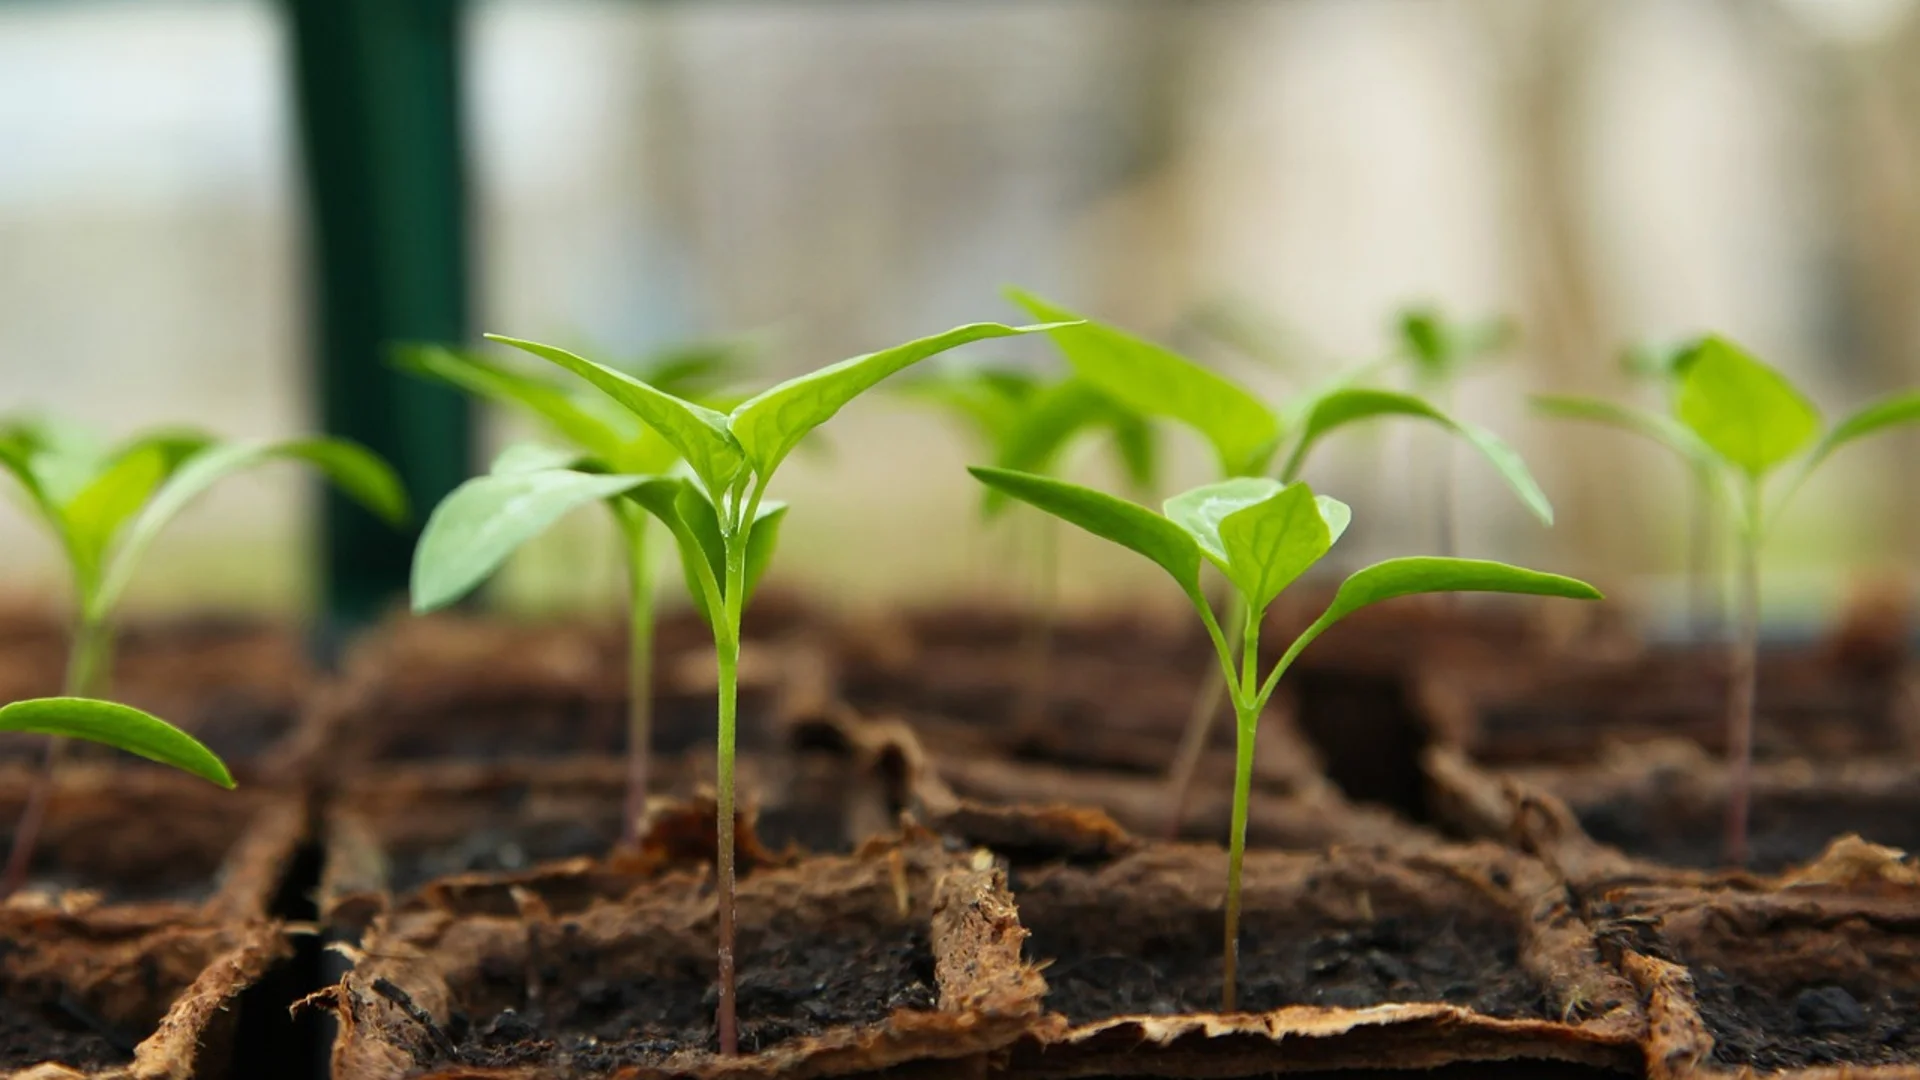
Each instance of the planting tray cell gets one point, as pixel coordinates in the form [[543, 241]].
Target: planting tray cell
[[894, 955], [1351, 959], [151, 836], [125, 995], [1817, 976], [237, 685], [450, 688]]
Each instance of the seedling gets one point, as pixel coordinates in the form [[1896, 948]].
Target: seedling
[[1440, 350], [104, 505], [722, 522], [1663, 365], [529, 488], [1262, 535], [1740, 422], [1247, 435]]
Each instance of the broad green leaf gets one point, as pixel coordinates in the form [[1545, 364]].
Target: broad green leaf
[[484, 520], [1124, 523], [120, 726], [1155, 381], [769, 425], [1664, 430], [355, 470], [64, 457], [1051, 419], [1353, 405], [1429, 574], [136, 470], [523, 457], [1271, 543], [1199, 511], [1748, 413], [697, 432], [1885, 413], [567, 416]]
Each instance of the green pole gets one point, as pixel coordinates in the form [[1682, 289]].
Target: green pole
[[377, 93]]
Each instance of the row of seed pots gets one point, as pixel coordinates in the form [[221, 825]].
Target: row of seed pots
[[423, 856]]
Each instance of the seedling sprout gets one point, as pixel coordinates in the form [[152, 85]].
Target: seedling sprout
[[723, 524], [104, 505], [1262, 535], [1741, 421]]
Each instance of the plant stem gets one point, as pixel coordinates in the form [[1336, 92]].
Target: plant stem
[[1247, 705], [727, 648], [1703, 601], [1193, 740], [639, 673], [88, 660], [1744, 673]]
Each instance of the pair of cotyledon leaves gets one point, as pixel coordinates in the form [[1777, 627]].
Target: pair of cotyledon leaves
[[1735, 414], [476, 527], [104, 505], [1262, 535], [1246, 435]]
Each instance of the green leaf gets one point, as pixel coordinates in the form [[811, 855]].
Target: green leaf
[[355, 470], [1880, 415], [1664, 430], [697, 432], [700, 539], [523, 457], [1440, 348], [1271, 543], [1051, 419], [1155, 381], [1428, 574], [96, 513], [16, 457], [484, 520], [118, 726], [1339, 408], [1124, 523], [769, 425], [1199, 511], [1748, 413], [566, 416], [990, 401]]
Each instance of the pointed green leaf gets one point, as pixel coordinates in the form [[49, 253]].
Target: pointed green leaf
[[1051, 419], [769, 425], [16, 457], [1124, 523], [1745, 410], [1272, 542], [118, 726], [990, 401], [1138, 447], [1199, 511], [1427, 574], [484, 520], [1664, 430], [1155, 381], [568, 417], [96, 513], [1341, 407], [1440, 348], [697, 432], [1885, 413], [355, 470]]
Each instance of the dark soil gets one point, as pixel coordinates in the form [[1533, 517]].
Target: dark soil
[[505, 847], [56, 1028], [1367, 733], [1284, 960], [1785, 829], [1816, 1024], [790, 986]]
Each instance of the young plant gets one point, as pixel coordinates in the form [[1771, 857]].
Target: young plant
[[481, 522], [722, 522], [104, 505], [1664, 365], [1440, 350], [1262, 535], [1247, 435], [1741, 422]]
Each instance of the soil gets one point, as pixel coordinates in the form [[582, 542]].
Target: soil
[[1786, 828], [59, 1030], [503, 847], [1821, 1023], [790, 985]]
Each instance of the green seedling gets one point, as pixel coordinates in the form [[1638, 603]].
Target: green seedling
[[1262, 535], [530, 487], [104, 505], [1247, 436], [721, 521], [1739, 422], [1663, 365], [1440, 351]]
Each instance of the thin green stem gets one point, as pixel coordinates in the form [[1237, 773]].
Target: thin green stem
[[639, 672], [89, 661], [1247, 728], [1703, 600], [735, 536], [1744, 675]]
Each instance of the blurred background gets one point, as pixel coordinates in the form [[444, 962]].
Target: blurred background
[[207, 204]]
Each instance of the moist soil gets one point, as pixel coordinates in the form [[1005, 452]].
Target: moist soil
[[58, 1030], [1816, 1024], [791, 985], [1284, 960], [1784, 829]]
